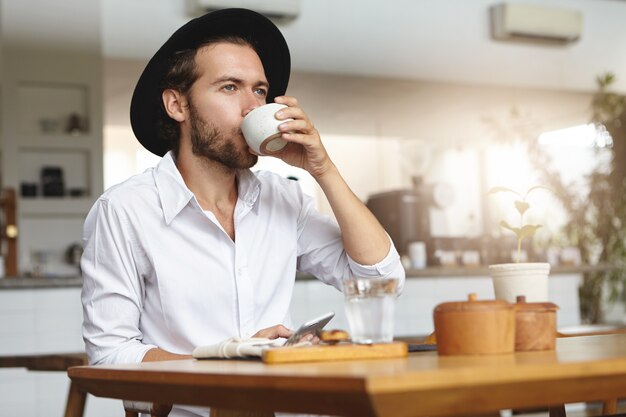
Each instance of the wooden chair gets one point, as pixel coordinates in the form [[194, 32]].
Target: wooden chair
[[75, 405], [133, 408], [609, 407]]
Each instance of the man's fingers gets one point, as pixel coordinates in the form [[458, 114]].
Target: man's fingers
[[287, 100], [274, 332]]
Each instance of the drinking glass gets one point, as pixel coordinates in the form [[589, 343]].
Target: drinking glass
[[370, 306]]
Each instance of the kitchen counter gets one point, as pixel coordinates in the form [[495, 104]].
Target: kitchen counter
[[479, 271], [19, 283], [432, 272], [484, 270]]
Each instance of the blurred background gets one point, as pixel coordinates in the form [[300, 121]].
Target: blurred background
[[424, 106]]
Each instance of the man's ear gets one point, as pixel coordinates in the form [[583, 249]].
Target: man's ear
[[175, 104]]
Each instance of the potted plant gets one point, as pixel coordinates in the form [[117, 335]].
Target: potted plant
[[520, 278], [595, 223]]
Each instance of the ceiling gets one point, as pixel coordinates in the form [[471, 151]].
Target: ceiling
[[443, 40]]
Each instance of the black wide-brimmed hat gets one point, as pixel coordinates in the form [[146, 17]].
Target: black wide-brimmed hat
[[268, 42]]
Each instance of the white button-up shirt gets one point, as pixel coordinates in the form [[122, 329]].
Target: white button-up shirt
[[160, 271]]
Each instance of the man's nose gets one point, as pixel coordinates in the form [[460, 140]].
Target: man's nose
[[248, 110], [252, 101]]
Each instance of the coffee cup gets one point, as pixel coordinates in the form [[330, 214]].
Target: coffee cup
[[260, 129], [417, 254]]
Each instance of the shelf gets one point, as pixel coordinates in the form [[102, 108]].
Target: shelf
[[73, 165], [55, 141], [52, 150], [52, 108], [55, 206]]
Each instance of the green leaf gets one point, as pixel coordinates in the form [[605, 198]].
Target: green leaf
[[535, 188], [528, 230], [515, 230], [521, 206], [494, 190], [605, 80]]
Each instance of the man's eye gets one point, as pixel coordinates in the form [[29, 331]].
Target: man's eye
[[261, 91], [229, 87]]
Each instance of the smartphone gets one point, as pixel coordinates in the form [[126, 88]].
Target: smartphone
[[310, 327]]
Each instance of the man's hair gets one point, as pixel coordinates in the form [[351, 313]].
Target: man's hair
[[182, 72]]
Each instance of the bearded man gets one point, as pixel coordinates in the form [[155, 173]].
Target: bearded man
[[200, 249]]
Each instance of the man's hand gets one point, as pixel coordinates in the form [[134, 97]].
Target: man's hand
[[274, 332], [305, 149]]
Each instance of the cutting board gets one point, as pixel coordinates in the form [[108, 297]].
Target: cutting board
[[338, 352]]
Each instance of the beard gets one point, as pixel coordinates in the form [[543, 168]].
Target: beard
[[213, 144]]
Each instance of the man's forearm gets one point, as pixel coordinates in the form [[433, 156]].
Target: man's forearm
[[363, 237], [158, 354]]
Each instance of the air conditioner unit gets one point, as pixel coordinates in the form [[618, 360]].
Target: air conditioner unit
[[280, 10], [533, 22]]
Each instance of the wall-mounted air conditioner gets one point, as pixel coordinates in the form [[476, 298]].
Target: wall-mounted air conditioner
[[534, 22], [281, 10]]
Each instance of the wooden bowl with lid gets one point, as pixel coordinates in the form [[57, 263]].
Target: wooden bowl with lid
[[475, 327], [535, 325]]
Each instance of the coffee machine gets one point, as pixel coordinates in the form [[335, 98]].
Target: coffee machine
[[405, 214]]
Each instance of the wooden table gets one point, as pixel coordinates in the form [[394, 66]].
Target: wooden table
[[591, 368]]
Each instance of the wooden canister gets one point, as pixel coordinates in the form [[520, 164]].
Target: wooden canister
[[535, 325], [475, 327]]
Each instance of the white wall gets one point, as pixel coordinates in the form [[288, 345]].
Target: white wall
[[381, 132]]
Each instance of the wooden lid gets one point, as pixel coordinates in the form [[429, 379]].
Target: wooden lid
[[522, 305], [472, 304]]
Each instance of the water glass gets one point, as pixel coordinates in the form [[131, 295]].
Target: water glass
[[370, 306]]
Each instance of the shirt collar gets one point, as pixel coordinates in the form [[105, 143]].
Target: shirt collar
[[173, 191], [249, 187], [175, 195]]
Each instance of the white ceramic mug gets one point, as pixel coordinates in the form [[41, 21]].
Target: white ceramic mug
[[417, 253], [260, 129]]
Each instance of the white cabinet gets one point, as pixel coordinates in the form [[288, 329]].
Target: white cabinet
[[36, 321]]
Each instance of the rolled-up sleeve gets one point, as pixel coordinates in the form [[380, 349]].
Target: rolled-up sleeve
[[321, 252], [389, 267], [112, 288]]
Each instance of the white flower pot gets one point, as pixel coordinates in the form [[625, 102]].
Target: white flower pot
[[529, 279]]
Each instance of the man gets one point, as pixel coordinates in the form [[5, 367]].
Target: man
[[200, 249]]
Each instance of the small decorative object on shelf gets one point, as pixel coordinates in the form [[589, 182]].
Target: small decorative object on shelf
[[28, 189], [49, 125], [76, 124], [52, 183], [77, 192]]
